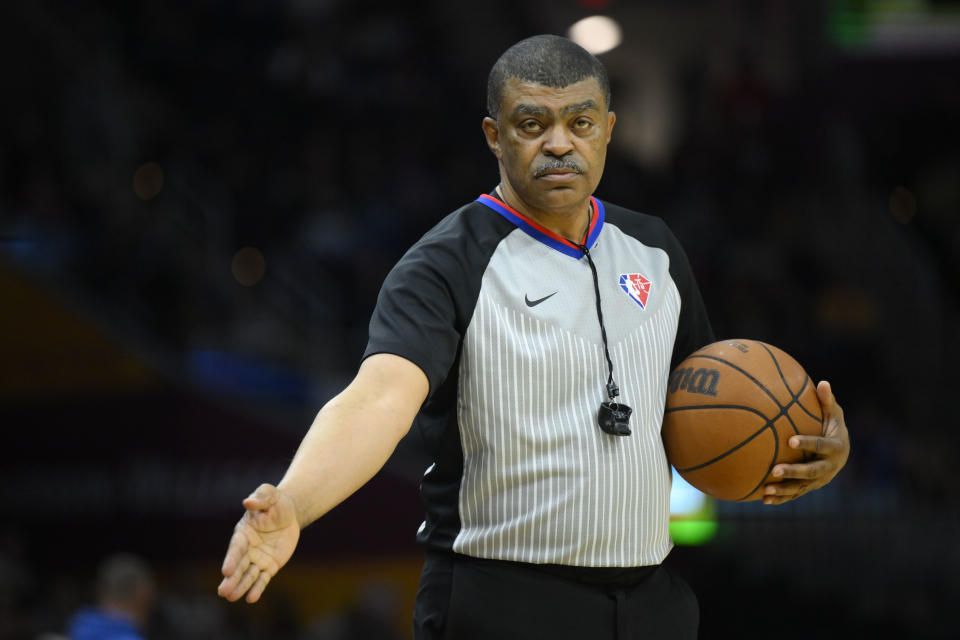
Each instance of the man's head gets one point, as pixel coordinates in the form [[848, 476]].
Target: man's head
[[125, 586], [549, 124]]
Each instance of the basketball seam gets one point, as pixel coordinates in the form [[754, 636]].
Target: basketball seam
[[800, 404], [794, 399], [768, 425], [776, 452]]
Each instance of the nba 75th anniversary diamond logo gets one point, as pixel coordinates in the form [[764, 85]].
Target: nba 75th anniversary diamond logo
[[637, 287]]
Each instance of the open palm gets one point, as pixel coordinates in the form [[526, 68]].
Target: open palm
[[262, 542]]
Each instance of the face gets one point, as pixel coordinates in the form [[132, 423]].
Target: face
[[551, 143]]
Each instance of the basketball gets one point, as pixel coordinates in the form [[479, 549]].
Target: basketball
[[731, 408]]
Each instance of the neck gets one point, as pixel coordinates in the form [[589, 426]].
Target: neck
[[570, 223]]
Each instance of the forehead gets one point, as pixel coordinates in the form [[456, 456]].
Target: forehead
[[518, 92]]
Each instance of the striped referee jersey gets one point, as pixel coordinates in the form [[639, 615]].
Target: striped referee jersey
[[500, 314]]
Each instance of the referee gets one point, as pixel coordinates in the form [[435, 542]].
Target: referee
[[528, 337]]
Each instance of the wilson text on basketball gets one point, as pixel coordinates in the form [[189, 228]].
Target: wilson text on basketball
[[702, 381]]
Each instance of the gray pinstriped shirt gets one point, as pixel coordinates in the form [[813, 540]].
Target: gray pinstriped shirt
[[500, 314]]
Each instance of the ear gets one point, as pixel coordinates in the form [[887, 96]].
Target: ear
[[611, 119], [492, 133]]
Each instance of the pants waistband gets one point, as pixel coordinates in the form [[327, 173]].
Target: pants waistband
[[616, 577]]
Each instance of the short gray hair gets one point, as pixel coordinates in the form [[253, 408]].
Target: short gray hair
[[552, 61]]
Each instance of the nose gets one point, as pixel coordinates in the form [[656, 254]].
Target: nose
[[557, 142]]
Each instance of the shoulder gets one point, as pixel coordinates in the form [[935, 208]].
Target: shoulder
[[649, 229], [463, 238], [653, 231], [472, 223], [446, 265]]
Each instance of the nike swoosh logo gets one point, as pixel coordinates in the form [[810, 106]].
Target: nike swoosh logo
[[533, 303]]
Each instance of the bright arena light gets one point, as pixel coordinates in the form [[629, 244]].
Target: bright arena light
[[596, 34]]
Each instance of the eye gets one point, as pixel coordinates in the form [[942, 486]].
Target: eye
[[531, 126], [583, 124]]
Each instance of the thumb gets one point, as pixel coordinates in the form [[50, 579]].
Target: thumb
[[262, 499]]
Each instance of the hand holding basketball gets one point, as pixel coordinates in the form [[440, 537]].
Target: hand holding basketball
[[742, 419], [831, 451]]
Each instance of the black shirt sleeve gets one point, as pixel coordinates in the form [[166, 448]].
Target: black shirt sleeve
[[693, 328], [415, 316], [428, 298]]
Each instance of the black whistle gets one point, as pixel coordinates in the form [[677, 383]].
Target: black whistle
[[614, 418]]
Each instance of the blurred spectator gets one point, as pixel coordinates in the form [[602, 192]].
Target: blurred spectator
[[373, 615], [125, 597]]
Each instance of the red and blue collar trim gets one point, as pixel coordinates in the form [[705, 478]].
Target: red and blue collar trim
[[538, 232]]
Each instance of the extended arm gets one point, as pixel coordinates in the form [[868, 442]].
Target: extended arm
[[349, 441]]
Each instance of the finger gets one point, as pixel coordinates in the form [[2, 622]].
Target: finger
[[249, 577], [258, 587], [236, 549], [787, 488], [833, 421], [232, 580], [820, 445], [825, 394], [803, 471], [775, 500], [229, 583], [780, 492], [262, 499], [264, 521], [229, 587]]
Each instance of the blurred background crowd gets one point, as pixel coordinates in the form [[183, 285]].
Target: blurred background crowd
[[200, 200]]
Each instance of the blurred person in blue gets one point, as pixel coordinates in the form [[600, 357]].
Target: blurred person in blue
[[527, 339], [125, 596]]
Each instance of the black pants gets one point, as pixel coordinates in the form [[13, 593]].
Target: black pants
[[463, 598]]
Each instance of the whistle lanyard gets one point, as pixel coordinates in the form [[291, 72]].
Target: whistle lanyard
[[612, 417]]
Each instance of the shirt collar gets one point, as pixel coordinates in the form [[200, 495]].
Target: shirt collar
[[538, 232]]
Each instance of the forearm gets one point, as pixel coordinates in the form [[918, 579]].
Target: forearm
[[349, 441]]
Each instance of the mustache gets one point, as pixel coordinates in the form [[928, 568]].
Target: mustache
[[559, 163]]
